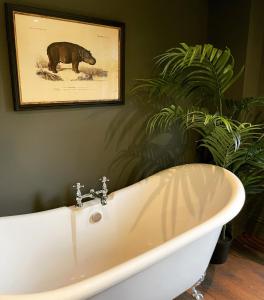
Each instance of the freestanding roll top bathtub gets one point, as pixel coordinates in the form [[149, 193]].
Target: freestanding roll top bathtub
[[154, 240]]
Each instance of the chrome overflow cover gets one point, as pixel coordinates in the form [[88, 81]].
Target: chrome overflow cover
[[95, 217]]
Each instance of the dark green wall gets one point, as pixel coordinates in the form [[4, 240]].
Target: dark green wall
[[254, 73], [228, 26], [44, 152], [238, 24]]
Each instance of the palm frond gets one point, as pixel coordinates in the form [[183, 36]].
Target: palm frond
[[190, 88], [193, 118], [233, 150], [200, 67], [192, 72], [165, 119], [229, 141], [234, 108], [252, 179]]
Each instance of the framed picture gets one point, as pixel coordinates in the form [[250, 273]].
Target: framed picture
[[60, 59]]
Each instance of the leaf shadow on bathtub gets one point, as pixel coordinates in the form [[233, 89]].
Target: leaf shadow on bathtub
[[187, 196], [161, 187], [203, 196]]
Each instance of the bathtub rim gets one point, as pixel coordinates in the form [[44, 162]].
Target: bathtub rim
[[106, 279]]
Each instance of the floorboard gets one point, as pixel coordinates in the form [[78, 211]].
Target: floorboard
[[240, 278]]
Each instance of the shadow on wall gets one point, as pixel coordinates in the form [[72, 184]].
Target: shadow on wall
[[138, 154], [41, 203]]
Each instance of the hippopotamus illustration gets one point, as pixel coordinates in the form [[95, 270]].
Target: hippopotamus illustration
[[67, 53]]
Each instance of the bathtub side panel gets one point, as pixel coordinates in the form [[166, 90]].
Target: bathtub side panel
[[168, 278], [36, 252]]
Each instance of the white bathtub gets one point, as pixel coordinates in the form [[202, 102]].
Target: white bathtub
[[154, 240]]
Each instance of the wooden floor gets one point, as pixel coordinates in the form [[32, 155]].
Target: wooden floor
[[240, 278]]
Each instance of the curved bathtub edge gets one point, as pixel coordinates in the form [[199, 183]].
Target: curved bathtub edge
[[98, 283]]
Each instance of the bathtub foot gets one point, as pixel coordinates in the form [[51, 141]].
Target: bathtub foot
[[197, 295]]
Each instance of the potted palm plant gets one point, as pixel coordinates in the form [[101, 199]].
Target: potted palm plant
[[196, 79]]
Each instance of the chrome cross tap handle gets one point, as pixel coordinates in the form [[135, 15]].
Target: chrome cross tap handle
[[104, 190], [79, 197], [104, 180]]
